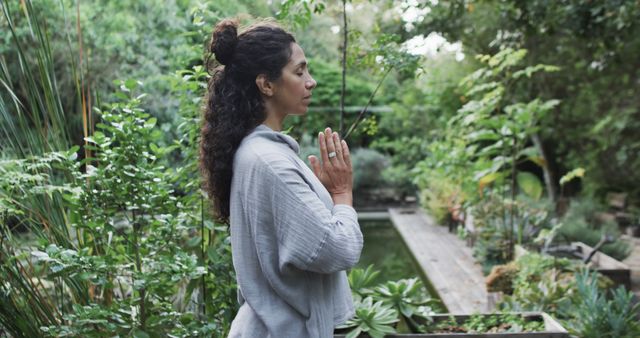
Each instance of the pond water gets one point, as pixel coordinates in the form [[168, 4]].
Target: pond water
[[385, 249]]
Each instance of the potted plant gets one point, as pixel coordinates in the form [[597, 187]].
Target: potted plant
[[530, 324], [399, 309], [388, 307], [618, 272], [581, 299], [380, 322]]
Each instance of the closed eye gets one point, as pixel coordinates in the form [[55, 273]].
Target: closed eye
[[301, 67]]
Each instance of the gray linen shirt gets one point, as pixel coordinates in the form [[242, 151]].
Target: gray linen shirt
[[290, 244]]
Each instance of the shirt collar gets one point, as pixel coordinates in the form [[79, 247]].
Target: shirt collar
[[268, 133]]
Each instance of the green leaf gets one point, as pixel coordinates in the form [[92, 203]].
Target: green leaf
[[578, 172], [131, 84], [40, 256], [193, 241], [483, 135], [137, 333], [529, 152], [212, 253], [530, 185], [528, 71], [150, 123], [354, 333], [155, 149], [360, 279], [72, 153], [209, 224], [488, 179], [602, 124], [550, 104]]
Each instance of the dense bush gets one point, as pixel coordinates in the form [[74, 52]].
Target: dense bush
[[129, 241]]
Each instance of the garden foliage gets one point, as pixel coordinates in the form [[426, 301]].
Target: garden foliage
[[595, 46], [110, 236], [104, 226], [584, 301], [133, 256], [389, 307]]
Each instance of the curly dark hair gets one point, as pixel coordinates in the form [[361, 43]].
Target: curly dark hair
[[234, 105]]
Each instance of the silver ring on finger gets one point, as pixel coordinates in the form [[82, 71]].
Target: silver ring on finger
[[332, 154]]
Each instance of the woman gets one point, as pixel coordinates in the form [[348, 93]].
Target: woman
[[294, 231]]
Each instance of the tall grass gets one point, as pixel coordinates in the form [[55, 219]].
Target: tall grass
[[34, 120], [33, 123]]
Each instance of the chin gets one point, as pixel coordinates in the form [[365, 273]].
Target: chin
[[301, 112]]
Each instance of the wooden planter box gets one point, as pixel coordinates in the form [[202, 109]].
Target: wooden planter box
[[617, 271], [553, 329]]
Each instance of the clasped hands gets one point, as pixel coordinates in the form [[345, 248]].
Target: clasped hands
[[335, 171]]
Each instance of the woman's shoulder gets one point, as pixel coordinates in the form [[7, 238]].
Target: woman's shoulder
[[264, 154]]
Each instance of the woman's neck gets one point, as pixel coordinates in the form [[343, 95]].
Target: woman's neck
[[274, 122]]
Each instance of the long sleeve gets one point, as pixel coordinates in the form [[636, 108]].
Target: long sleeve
[[311, 236]]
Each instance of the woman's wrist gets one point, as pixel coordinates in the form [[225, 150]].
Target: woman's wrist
[[343, 198]]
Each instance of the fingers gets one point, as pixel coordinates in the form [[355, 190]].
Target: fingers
[[336, 142], [330, 142], [334, 172], [315, 165], [346, 155], [331, 147], [323, 148]]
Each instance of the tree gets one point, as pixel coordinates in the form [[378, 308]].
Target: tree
[[595, 44]]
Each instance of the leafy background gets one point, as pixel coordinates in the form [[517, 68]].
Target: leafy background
[[105, 228]]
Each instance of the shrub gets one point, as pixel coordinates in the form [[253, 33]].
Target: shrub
[[581, 224], [368, 165], [131, 256]]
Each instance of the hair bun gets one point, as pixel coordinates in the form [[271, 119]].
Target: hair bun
[[224, 40]]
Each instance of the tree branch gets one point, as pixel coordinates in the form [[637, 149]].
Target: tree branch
[[364, 110]]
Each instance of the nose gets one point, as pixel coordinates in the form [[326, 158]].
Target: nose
[[311, 83]]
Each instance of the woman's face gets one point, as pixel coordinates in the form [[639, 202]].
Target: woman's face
[[292, 92]]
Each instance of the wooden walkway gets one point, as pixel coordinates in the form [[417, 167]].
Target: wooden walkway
[[445, 260]]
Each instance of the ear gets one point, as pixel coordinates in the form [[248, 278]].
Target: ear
[[265, 86]]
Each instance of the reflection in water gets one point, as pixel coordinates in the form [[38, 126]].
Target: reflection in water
[[384, 248]]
